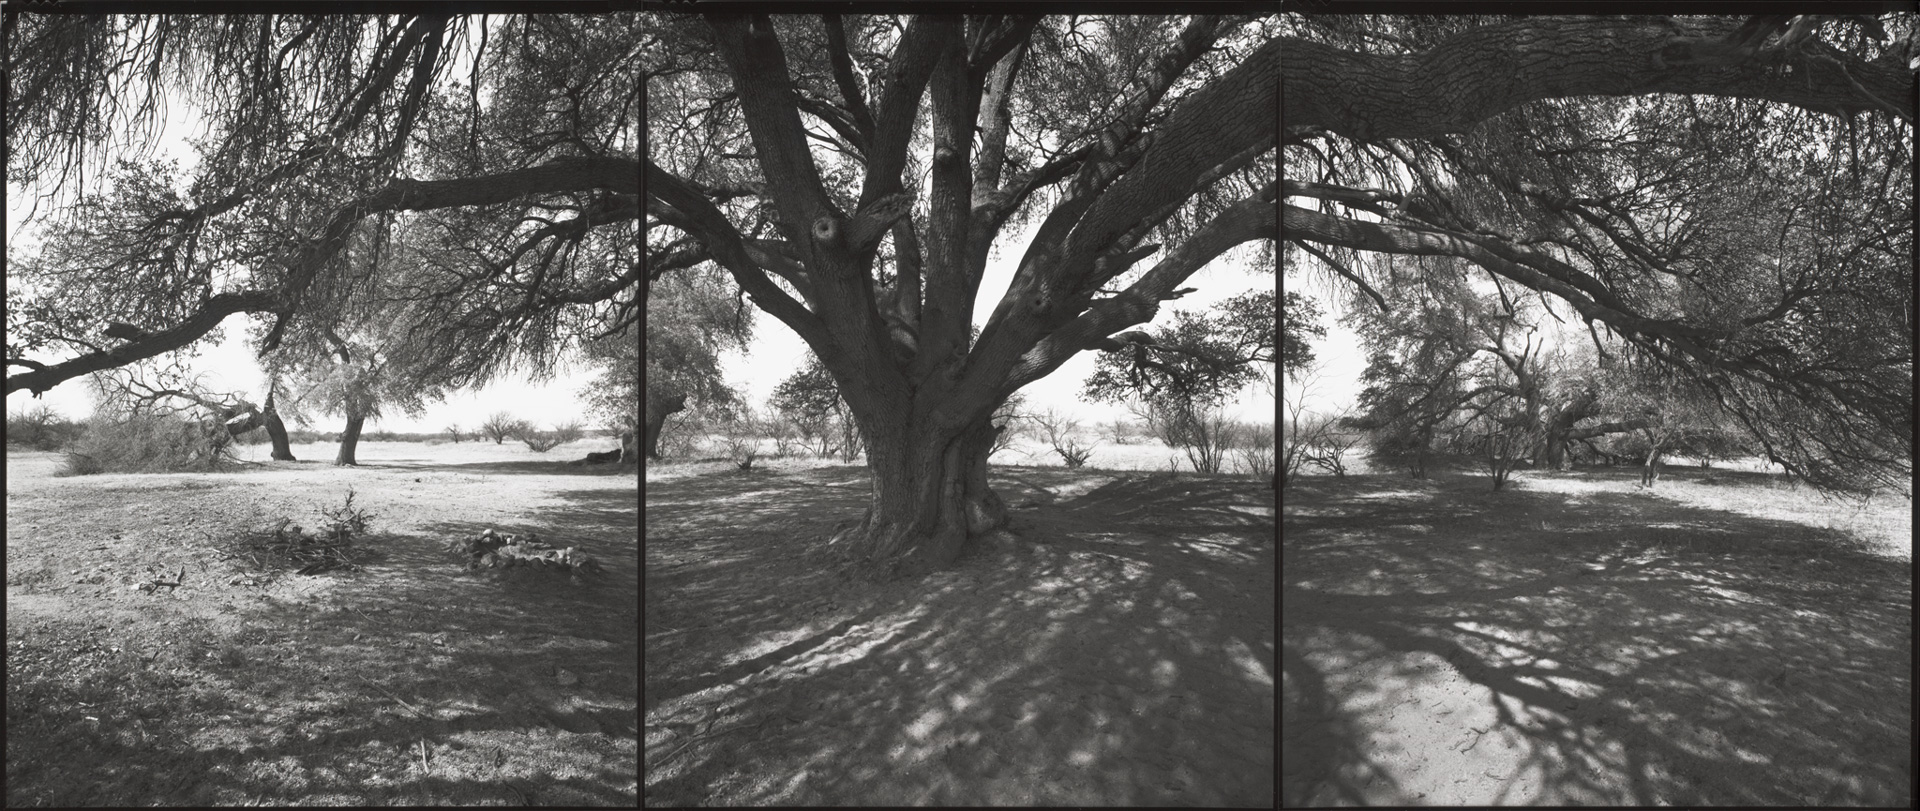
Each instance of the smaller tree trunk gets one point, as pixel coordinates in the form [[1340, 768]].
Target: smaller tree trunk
[[349, 440], [658, 409], [277, 432]]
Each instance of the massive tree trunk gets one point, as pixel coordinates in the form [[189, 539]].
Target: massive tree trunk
[[920, 386], [930, 497], [349, 440], [658, 408], [1558, 434]]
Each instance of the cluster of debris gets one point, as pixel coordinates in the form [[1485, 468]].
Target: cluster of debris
[[492, 549], [288, 544]]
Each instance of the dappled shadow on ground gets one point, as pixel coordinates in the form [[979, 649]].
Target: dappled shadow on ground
[[1111, 660], [1449, 645]]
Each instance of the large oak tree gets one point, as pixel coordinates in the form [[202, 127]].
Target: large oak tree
[[1727, 197], [854, 175]]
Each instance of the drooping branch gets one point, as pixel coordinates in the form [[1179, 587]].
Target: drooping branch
[[305, 260], [1343, 270], [692, 212], [155, 343]]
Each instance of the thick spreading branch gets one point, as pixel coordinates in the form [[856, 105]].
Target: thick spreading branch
[[620, 175], [1482, 72]]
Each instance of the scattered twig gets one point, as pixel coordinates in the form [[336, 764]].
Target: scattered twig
[[710, 734], [403, 703]]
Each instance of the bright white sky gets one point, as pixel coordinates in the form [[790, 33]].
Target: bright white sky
[[544, 404], [778, 352]]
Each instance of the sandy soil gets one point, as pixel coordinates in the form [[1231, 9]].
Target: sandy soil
[[1121, 654], [1446, 645], [412, 681]]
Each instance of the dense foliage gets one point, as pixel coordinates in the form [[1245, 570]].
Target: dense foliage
[[1735, 215]]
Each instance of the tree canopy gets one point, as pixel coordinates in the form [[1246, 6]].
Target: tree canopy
[[506, 148], [1725, 199]]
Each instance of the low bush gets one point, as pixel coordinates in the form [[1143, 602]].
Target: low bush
[[149, 444]]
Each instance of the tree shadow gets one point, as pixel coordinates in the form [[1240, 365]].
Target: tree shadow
[[1635, 651], [1101, 663]]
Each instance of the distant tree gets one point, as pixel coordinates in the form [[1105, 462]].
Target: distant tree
[[1009, 422], [40, 427], [502, 426], [692, 317], [543, 441], [811, 400], [1311, 437], [1181, 379], [367, 355], [454, 431], [1299, 327], [615, 396]]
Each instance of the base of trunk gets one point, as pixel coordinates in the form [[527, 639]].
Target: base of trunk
[[880, 553]]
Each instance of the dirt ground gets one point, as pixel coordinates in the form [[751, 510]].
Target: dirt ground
[[413, 681], [1122, 654], [1577, 642]]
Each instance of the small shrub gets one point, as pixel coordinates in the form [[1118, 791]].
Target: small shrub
[[742, 450], [1257, 458], [569, 431], [785, 433], [1073, 454], [338, 544], [541, 441]]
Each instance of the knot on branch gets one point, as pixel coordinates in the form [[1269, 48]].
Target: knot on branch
[[873, 221], [826, 230]]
